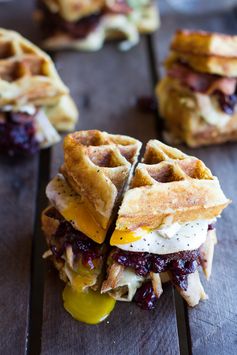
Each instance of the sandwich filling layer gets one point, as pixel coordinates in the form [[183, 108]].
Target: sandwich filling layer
[[175, 251], [78, 258], [216, 95], [25, 131]]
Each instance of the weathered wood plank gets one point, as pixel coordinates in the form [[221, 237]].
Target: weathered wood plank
[[18, 184], [18, 180], [213, 324], [105, 85]]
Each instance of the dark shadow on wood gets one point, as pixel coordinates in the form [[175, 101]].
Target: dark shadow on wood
[[37, 264], [182, 325]]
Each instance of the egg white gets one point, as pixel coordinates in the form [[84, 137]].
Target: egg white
[[172, 239]]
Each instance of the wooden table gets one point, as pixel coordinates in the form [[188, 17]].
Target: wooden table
[[105, 86]]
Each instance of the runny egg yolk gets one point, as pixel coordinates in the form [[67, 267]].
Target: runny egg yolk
[[124, 237], [90, 307], [80, 215]]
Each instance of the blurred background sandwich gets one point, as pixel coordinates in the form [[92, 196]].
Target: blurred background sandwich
[[197, 97], [34, 102], [86, 24]]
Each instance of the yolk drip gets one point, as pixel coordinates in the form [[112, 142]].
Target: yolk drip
[[90, 307], [123, 237], [84, 221]]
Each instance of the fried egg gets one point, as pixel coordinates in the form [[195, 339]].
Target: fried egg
[[172, 239]]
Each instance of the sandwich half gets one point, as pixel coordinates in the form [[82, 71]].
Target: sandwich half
[[34, 102], [198, 96], [165, 228], [85, 25], [84, 197]]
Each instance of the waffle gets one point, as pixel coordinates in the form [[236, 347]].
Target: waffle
[[204, 43], [98, 166], [205, 63], [212, 53], [168, 187], [27, 74], [28, 77]]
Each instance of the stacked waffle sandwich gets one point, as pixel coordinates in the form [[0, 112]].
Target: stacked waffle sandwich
[[164, 229], [85, 25], [34, 102], [197, 97]]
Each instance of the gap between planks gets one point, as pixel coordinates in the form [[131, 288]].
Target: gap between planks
[[185, 344], [33, 346]]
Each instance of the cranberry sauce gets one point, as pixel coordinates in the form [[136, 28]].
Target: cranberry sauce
[[82, 246], [227, 103], [146, 104], [53, 23], [145, 297], [178, 264], [17, 133]]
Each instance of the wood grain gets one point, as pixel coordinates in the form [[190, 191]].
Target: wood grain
[[213, 324], [105, 86], [18, 182]]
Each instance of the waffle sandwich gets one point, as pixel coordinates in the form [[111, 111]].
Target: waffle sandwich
[[165, 228], [34, 102], [85, 25], [197, 97], [83, 199]]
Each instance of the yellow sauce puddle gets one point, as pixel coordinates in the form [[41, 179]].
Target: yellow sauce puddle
[[90, 307]]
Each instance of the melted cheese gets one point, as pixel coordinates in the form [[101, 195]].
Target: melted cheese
[[210, 110], [73, 209], [188, 236], [46, 134], [90, 307]]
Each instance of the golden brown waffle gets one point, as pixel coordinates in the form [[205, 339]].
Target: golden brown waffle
[[27, 74], [212, 53], [28, 77], [205, 63], [204, 43], [169, 186], [98, 166]]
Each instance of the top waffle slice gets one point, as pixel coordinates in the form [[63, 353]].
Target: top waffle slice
[[98, 166], [170, 186], [27, 74]]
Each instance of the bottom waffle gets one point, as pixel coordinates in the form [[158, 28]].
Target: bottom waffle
[[184, 121]]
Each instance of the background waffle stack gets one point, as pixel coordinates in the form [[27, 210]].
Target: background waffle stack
[[168, 187], [197, 97], [28, 77]]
